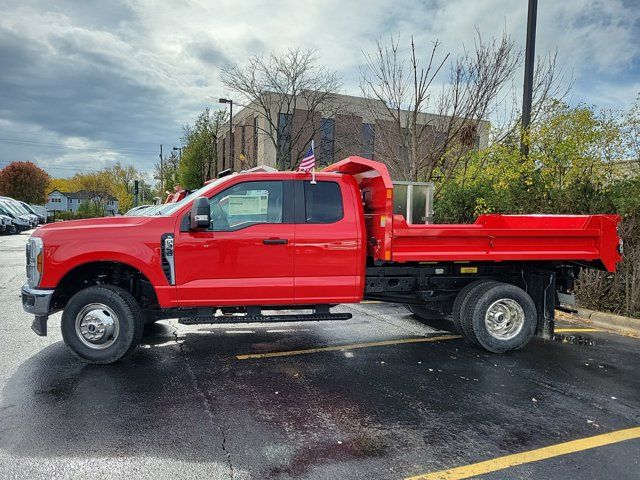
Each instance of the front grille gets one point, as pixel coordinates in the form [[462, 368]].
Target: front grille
[[166, 268], [28, 254], [31, 261]]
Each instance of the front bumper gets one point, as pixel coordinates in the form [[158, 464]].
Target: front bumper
[[38, 303]]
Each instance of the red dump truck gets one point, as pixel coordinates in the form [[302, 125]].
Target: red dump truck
[[261, 246]]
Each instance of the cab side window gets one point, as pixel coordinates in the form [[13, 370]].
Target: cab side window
[[323, 202], [246, 204]]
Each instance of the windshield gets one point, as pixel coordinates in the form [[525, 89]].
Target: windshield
[[170, 208], [27, 208], [9, 206], [153, 210], [19, 208], [6, 211], [134, 210]]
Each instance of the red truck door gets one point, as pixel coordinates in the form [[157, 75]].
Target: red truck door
[[327, 251], [246, 257]]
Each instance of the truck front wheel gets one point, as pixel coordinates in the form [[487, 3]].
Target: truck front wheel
[[499, 317], [102, 324]]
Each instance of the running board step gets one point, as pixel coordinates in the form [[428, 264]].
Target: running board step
[[309, 317]]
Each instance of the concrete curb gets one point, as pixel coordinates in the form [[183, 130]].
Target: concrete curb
[[611, 321]]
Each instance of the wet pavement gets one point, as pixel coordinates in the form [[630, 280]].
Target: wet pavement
[[184, 404]]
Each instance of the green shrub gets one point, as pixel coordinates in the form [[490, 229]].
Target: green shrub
[[575, 167]]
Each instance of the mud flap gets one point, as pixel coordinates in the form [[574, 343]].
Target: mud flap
[[541, 287], [39, 325]]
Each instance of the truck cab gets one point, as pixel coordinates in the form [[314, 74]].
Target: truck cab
[[271, 239]]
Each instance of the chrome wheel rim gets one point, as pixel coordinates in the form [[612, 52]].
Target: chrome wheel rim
[[504, 319], [97, 326]]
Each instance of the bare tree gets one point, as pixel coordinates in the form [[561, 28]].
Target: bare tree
[[400, 94], [549, 84], [292, 93], [418, 145]]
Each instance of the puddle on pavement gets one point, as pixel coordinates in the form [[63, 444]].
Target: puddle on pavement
[[573, 339]]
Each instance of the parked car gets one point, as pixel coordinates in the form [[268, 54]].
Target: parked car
[[33, 219], [153, 210], [41, 218], [9, 226], [20, 221], [135, 211]]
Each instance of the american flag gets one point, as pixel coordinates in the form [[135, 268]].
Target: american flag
[[309, 160]]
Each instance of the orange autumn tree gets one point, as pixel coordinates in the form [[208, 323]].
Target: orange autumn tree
[[24, 181]]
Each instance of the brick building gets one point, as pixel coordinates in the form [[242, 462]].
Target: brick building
[[360, 128]]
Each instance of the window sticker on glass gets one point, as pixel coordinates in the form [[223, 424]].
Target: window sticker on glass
[[250, 204]]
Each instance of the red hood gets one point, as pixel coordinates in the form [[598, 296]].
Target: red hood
[[106, 227], [103, 222]]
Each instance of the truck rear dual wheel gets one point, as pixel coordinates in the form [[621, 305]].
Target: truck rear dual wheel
[[461, 301], [498, 316], [102, 324]]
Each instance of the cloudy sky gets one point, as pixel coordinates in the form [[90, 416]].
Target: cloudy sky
[[84, 84]]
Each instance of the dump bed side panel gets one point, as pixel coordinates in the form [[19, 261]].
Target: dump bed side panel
[[587, 238]]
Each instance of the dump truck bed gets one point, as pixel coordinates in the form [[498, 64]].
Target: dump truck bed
[[588, 239]]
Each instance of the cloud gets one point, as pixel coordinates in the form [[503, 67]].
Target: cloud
[[119, 78], [206, 52]]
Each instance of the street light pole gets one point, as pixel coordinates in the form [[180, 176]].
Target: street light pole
[[529, 63], [230, 102], [161, 175]]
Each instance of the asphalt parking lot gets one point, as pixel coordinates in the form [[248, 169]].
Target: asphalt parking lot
[[378, 396]]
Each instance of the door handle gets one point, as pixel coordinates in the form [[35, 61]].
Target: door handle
[[275, 241]]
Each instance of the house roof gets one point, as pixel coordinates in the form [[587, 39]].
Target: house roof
[[83, 195]]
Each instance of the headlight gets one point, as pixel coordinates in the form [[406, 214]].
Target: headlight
[[35, 261]]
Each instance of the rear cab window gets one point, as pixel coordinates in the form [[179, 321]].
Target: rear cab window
[[323, 202]]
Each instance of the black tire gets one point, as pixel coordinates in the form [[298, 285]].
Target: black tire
[[477, 306], [129, 319], [432, 318], [460, 302]]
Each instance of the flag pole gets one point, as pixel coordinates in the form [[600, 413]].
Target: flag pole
[[313, 169]]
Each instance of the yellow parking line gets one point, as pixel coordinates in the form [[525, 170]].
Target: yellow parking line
[[352, 346], [613, 331], [576, 330], [551, 451]]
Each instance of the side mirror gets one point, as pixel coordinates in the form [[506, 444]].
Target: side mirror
[[200, 213]]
